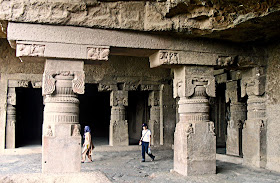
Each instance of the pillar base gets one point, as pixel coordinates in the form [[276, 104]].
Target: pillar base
[[61, 152], [233, 141], [118, 133], [195, 148], [253, 143]]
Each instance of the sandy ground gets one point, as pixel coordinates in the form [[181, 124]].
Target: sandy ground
[[127, 167]]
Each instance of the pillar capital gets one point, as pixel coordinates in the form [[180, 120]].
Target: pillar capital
[[187, 78], [253, 82], [119, 98]]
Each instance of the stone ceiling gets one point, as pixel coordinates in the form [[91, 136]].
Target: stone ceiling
[[233, 20]]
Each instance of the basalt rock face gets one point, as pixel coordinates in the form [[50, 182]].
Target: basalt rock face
[[222, 19]]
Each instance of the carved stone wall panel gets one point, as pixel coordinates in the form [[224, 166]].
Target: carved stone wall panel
[[98, 53], [36, 50], [118, 98]]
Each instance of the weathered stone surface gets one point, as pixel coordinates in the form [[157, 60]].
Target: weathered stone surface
[[193, 18], [118, 123], [273, 108], [61, 143], [194, 138]]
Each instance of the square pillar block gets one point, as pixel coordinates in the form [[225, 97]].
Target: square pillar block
[[232, 143], [61, 150], [118, 133], [254, 143], [195, 148]]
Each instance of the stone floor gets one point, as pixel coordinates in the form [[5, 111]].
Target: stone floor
[[126, 167]]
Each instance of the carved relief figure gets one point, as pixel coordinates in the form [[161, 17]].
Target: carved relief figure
[[190, 129], [76, 131], [211, 128], [49, 131]]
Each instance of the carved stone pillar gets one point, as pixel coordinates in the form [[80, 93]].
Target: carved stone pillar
[[254, 128], [61, 151], [237, 116], [154, 122], [118, 124], [11, 119], [194, 138]]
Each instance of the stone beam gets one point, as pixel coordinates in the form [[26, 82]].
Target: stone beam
[[120, 39], [194, 138], [61, 50]]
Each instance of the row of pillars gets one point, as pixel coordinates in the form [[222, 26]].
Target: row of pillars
[[194, 138], [62, 81]]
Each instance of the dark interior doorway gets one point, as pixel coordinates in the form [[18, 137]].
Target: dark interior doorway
[[29, 116], [138, 112], [218, 109], [95, 111]]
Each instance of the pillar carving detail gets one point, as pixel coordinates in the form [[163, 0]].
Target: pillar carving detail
[[194, 138], [11, 118], [118, 124], [154, 122], [236, 119], [62, 81], [254, 128]]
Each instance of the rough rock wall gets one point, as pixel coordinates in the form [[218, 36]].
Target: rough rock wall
[[10, 64], [273, 108], [195, 17]]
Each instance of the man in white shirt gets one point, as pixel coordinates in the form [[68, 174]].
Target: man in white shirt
[[146, 142]]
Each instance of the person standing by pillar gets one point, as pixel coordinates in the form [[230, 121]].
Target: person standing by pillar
[[87, 146], [146, 142]]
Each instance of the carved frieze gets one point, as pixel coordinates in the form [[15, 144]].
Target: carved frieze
[[211, 128], [169, 57], [76, 131], [36, 50], [36, 84], [49, 131], [225, 61], [153, 98], [190, 129], [98, 53], [119, 98]]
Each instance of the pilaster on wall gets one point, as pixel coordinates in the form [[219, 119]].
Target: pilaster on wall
[[154, 122], [118, 124], [254, 128], [237, 117], [61, 151], [195, 141], [11, 118]]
